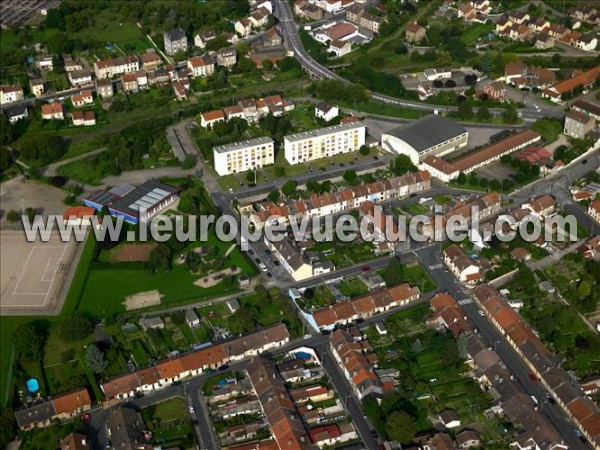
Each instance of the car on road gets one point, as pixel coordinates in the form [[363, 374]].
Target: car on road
[[85, 417], [584, 161], [481, 313], [275, 262], [267, 252], [262, 266], [257, 260], [325, 332], [192, 410], [107, 444], [224, 367], [251, 252], [269, 275], [365, 269]]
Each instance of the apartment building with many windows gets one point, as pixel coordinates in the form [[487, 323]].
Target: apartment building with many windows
[[243, 156], [324, 142]]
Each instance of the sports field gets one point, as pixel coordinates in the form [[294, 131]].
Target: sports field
[[33, 273]]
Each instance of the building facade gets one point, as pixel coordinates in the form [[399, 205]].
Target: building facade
[[244, 156], [324, 143]]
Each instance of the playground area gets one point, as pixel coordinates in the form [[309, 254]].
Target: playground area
[[33, 273]]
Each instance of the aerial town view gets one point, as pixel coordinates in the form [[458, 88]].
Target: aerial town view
[[300, 224]]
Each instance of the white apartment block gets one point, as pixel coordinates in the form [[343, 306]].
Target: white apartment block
[[108, 68], [244, 156], [324, 143]]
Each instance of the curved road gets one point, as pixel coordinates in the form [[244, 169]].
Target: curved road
[[283, 12]]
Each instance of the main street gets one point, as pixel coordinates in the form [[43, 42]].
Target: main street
[[289, 29]]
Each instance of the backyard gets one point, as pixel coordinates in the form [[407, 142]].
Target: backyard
[[169, 423]]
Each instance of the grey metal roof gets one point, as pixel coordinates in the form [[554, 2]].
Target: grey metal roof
[[324, 131], [243, 144], [427, 132]]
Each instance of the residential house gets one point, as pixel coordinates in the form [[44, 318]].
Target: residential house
[[16, 113], [130, 82], [104, 88], [243, 27], [200, 66], [355, 364], [75, 441], [142, 79], [175, 41], [227, 57], [259, 18], [308, 10], [582, 80], [519, 17], [450, 418], [495, 91], [415, 33], [10, 94], [467, 439], [150, 61], [45, 63], [271, 38], [52, 111], [71, 64], [83, 98], [594, 210], [126, 429], [591, 109], [180, 91], [340, 48], [37, 87], [326, 111], [578, 124], [87, 118], [209, 118], [111, 67], [62, 407], [543, 41], [585, 42], [80, 77], [541, 206], [202, 38], [462, 265], [151, 323]]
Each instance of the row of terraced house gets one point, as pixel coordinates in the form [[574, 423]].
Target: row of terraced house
[[542, 362]]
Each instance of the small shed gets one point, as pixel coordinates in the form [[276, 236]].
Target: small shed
[[233, 305], [192, 318]]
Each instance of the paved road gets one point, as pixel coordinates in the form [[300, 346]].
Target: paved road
[[431, 257], [289, 29]]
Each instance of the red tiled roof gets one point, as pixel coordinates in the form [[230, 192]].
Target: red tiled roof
[[71, 402]]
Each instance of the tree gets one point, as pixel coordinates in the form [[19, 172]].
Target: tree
[[267, 64], [486, 63], [6, 132], [584, 290], [41, 148], [289, 188], [483, 113], [30, 213], [29, 342], [12, 216], [75, 328], [351, 177], [462, 178], [465, 111], [364, 150], [95, 360], [402, 164], [510, 115], [274, 196], [8, 427], [400, 426], [251, 176]]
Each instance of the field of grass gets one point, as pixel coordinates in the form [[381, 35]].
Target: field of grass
[[474, 32], [109, 28], [353, 287]]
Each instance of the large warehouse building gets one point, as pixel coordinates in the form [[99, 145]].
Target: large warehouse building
[[133, 203], [432, 135]]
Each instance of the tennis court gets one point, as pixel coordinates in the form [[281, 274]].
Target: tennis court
[[33, 273]]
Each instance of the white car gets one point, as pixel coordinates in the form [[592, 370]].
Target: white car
[[192, 410], [481, 313]]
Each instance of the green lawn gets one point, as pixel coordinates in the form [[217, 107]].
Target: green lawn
[[474, 32], [109, 28], [353, 287]]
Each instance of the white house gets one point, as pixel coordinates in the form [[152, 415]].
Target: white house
[[326, 111], [192, 318]]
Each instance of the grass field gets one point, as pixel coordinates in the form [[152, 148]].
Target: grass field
[[474, 32]]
